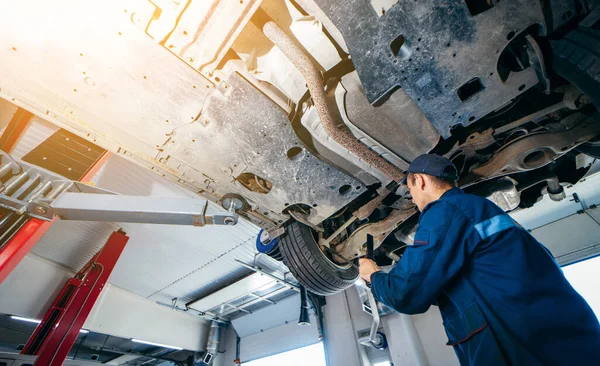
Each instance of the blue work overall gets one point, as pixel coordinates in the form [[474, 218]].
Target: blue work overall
[[503, 298]]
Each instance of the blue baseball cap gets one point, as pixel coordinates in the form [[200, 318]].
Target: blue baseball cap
[[431, 164]]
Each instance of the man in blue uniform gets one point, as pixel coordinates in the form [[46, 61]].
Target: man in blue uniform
[[503, 298]]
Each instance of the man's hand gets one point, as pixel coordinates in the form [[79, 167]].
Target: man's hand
[[367, 268]]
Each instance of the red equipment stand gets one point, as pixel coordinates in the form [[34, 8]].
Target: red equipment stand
[[56, 334]]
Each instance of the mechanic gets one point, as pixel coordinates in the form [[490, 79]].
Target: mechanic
[[503, 298]]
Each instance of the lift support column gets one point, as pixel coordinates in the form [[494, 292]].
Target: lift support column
[[56, 334]]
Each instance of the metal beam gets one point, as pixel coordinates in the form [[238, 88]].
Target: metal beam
[[252, 302], [15, 130], [56, 334], [91, 172], [137, 209]]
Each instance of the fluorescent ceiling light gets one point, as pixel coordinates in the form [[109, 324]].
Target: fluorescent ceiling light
[[155, 344], [29, 320], [26, 319]]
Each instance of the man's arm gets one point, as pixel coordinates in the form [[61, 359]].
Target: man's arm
[[444, 241]]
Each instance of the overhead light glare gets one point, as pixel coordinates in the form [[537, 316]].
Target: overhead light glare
[[29, 320], [155, 344]]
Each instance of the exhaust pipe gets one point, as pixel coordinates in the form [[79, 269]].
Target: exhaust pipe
[[303, 61]]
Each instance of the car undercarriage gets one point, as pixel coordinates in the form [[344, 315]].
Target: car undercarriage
[[304, 114]]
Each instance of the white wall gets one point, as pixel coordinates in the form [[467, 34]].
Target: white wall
[[432, 337], [30, 289], [341, 342]]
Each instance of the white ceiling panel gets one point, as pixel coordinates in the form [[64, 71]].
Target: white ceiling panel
[[73, 243], [246, 285]]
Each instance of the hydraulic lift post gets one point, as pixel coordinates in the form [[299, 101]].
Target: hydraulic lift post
[[56, 334]]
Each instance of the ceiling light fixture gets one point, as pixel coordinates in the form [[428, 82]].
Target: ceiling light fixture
[[155, 344], [29, 320]]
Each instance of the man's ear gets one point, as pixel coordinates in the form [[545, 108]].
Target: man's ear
[[420, 181]]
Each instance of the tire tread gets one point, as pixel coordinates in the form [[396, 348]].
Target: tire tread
[[310, 266]]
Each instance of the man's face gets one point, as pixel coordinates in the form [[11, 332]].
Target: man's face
[[415, 186]]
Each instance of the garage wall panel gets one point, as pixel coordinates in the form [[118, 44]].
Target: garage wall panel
[[73, 243], [287, 310], [570, 235], [32, 286], [277, 340]]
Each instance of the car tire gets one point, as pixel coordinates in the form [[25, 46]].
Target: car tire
[[311, 267], [576, 57]]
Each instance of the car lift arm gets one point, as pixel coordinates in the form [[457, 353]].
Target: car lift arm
[[41, 195]]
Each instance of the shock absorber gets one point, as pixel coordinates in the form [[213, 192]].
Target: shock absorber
[[267, 245]]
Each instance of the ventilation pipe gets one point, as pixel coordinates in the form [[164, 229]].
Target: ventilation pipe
[[304, 317], [309, 68], [212, 344]]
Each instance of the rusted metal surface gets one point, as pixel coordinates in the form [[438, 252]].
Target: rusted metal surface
[[361, 214], [355, 245], [573, 99], [533, 151], [245, 132], [475, 141], [305, 64]]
